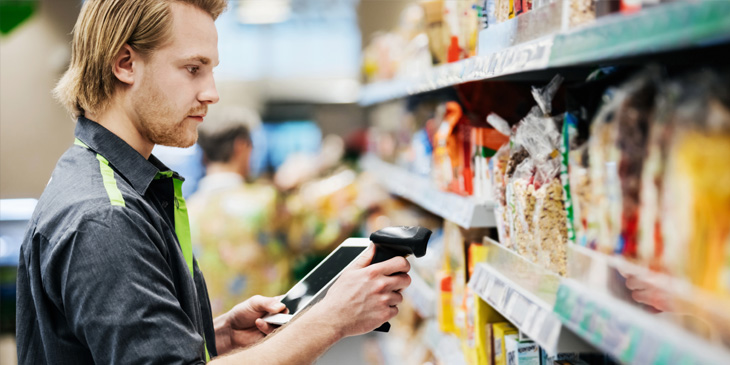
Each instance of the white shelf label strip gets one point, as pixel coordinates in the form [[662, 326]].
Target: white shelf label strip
[[531, 317]]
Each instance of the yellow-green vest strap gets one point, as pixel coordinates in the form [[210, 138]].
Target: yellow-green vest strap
[[182, 230], [107, 176], [182, 225]]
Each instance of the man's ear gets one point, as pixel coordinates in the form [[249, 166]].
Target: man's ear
[[241, 145], [126, 65]]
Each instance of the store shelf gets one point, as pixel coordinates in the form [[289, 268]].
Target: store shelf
[[597, 305], [524, 294], [464, 211], [445, 347], [668, 27], [421, 295]]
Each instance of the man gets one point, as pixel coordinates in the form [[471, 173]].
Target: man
[[234, 224], [106, 273]]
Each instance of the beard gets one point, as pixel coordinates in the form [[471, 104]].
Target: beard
[[159, 121]]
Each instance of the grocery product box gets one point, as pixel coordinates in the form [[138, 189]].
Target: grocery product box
[[499, 332], [521, 352]]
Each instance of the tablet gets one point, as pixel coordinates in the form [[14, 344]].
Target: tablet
[[314, 286]]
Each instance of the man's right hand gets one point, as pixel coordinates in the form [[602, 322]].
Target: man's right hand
[[365, 296]]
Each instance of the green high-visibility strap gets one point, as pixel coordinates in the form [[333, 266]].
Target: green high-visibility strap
[[182, 230], [182, 223], [107, 177]]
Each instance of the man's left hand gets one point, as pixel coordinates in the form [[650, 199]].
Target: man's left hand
[[242, 326]]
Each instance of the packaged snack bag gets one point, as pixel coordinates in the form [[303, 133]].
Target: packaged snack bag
[[550, 231], [650, 238], [604, 215], [498, 166], [695, 200], [633, 119]]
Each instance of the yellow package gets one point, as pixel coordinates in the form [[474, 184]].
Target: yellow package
[[445, 308], [499, 331], [485, 317]]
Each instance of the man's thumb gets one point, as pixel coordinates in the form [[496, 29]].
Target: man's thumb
[[365, 257]]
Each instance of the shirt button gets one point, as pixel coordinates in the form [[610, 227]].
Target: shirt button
[[164, 204]]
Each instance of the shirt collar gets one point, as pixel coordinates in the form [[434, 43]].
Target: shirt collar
[[126, 160]]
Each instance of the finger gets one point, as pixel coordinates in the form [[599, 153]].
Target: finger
[[394, 298], [365, 258], [651, 298], [397, 282], [264, 326], [261, 304], [391, 266], [634, 283], [393, 311]]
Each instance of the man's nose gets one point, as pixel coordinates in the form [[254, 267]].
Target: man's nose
[[209, 95]]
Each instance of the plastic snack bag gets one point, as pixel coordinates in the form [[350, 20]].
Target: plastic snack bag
[[604, 215], [498, 166], [695, 199], [650, 239], [521, 193], [549, 226], [634, 115]]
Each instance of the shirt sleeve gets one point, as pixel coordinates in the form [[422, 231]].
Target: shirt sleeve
[[111, 280]]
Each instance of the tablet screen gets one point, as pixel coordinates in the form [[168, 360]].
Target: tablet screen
[[301, 294]]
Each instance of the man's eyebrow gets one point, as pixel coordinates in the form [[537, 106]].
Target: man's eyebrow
[[202, 59]]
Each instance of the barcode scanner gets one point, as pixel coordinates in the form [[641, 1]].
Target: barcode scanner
[[398, 241]]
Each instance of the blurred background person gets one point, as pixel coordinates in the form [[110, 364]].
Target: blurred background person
[[235, 224]]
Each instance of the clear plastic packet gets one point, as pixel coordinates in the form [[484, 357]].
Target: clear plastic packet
[[521, 207], [499, 124], [604, 214], [550, 227], [544, 96], [498, 166], [541, 139]]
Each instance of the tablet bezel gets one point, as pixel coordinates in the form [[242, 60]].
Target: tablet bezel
[[283, 318]]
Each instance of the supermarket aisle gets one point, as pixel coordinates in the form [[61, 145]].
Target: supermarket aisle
[[349, 351]]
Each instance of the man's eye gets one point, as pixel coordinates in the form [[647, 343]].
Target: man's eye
[[193, 69]]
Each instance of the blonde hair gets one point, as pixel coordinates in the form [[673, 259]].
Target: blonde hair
[[101, 30]]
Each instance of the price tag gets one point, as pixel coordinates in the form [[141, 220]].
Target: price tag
[[517, 308], [539, 320], [496, 293], [599, 323], [585, 322], [564, 302], [617, 331], [650, 347], [550, 331], [531, 325]]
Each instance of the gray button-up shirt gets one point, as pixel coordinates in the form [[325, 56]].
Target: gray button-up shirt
[[103, 282]]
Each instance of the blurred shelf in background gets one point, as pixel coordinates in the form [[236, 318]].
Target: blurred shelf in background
[[539, 40], [464, 211]]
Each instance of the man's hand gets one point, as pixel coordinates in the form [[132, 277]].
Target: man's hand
[[365, 297], [648, 293], [242, 326]]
